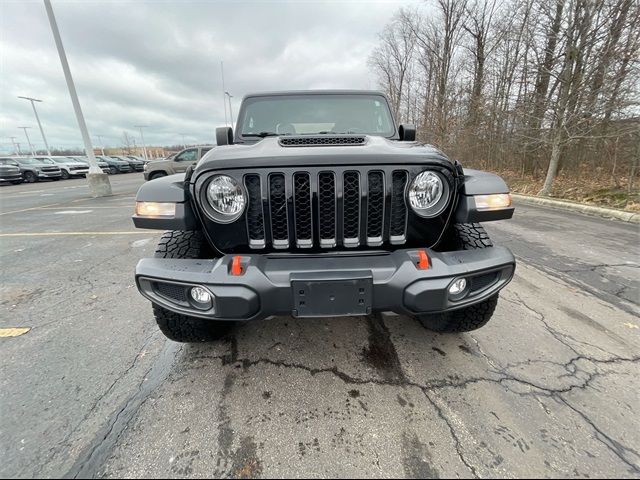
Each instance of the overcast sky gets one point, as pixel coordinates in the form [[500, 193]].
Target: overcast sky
[[158, 63]]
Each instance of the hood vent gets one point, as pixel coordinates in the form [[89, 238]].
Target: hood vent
[[328, 140]]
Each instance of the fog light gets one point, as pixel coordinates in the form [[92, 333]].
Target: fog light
[[457, 287], [201, 295]]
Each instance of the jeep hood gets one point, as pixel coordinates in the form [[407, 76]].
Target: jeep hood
[[269, 153]]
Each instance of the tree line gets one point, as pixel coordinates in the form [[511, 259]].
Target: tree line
[[530, 86]]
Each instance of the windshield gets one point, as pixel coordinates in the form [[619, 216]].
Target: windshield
[[48, 161], [29, 161], [5, 161], [316, 114]]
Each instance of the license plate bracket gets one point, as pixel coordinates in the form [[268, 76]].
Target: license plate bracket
[[329, 296]]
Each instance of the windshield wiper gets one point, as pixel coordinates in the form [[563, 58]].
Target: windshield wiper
[[263, 134]]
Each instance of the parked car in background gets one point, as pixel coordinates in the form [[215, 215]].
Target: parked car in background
[[116, 165], [69, 167], [34, 170], [175, 164], [136, 165], [10, 171], [140, 159], [104, 166]]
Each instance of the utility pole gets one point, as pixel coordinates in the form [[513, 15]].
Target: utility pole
[[184, 144], [230, 110], [44, 139], [33, 153], [99, 184], [224, 99], [144, 147]]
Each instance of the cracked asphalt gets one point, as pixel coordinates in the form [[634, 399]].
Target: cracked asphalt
[[549, 388]]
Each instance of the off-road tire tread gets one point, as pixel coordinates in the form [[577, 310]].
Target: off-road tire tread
[[181, 328], [181, 244], [463, 320], [471, 236], [466, 236], [177, 327]]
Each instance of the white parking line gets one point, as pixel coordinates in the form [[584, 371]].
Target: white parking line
[[32, 208], [72, 212]]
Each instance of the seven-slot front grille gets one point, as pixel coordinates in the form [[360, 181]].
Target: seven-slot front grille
[[326, 209]]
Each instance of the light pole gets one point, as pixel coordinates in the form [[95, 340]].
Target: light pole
[[33, 153], [98, 181], [224, 101], [184, 144], [144, 147], [101, 144], [16, 146], [44, 139], [230, 110]]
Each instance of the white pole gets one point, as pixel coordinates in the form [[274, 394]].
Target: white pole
[[33, 153], [144, 147], [224, 100], [98, 181], [16, 147], [44, 139], [101, 144], [230, 109]]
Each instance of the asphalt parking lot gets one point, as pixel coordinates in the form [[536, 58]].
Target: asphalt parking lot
[[549, 388]]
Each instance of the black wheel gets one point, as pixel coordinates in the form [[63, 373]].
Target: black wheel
[[157, 175], [113, 170], [464, 236], [177, 327], [30, 177], [65, 175]]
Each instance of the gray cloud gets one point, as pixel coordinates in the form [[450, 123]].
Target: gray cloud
[[158, 63]]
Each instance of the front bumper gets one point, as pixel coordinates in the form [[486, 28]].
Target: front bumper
[[57, 174], [10, 177], [273, 284]]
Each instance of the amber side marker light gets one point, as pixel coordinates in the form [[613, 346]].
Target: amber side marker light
[[423, 260], [493, 202], [236, 267], [155, 209]]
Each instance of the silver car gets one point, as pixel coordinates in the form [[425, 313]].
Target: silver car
[[34, 170], [69, 167]]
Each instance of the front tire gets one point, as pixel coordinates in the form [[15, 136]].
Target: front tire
[[65, 175], [175, 326], [157, 175], [113, 170], [30, 177], [464, 236]]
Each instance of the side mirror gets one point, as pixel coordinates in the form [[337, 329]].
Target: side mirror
[[407, 132], [224, 136]]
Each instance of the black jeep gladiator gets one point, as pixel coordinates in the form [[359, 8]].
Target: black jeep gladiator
[[318, 205]]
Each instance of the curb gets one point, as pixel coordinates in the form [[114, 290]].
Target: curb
[[630, 217]]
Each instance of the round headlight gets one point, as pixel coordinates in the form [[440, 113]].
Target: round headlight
[[427, 194], [225, 197]]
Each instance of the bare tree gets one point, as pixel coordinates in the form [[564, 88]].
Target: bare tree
[[128, 141]]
